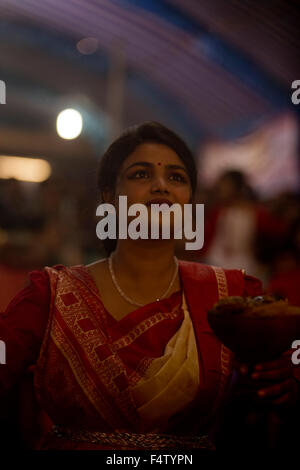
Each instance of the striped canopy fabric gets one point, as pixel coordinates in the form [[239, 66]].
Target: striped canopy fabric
[[209, 68]]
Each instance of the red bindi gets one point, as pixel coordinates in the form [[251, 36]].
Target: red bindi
[[159, 163]]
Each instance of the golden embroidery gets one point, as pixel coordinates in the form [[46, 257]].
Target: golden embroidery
[[221, 281], [226, 354], [136, 375], [143, 326]]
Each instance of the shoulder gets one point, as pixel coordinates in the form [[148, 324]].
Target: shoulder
[[237, 280], [26, 315], [92, 276], [96, 268], [35, 291], [201, 270], [60, 271], [193, 268], [37, 287]]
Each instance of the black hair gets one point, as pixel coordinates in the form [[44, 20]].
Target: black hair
[[240, 183]]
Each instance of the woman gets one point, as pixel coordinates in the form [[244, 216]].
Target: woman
[[122, 352]]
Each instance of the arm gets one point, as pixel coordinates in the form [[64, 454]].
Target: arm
[[22, 328]]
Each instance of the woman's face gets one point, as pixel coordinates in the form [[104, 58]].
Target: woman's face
[[153, 171]]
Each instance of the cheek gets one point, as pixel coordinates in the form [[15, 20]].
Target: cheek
[[134, 192], [184, 195]]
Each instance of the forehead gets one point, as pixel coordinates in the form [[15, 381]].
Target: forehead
[[153, 153]]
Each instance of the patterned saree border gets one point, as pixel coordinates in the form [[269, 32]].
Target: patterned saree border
[[144, 326], [93, 342], [139, 372], [84, 380], [226, 356], [221, 281]]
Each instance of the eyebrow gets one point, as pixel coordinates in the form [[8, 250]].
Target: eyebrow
[[148, 164]]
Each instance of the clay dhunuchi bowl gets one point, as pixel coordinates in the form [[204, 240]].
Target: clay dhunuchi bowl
[[256, 329]]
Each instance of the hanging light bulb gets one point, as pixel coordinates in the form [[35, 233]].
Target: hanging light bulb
[[69, 124]]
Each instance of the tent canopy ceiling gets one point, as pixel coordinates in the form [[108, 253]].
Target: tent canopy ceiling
[[214, 68]]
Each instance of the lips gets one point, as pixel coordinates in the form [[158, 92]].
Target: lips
[[159, 201]]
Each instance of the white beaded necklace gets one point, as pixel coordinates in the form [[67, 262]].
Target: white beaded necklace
[[133, 302]]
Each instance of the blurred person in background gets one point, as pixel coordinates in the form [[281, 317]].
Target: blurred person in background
[[235, 223]]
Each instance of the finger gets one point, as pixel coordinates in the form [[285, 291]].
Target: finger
[[277, 364], [278, 389], [275, 374]]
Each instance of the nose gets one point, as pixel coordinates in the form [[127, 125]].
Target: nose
[[159, 185]]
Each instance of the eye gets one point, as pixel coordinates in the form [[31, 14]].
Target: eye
[[178, 177], [139, 174]]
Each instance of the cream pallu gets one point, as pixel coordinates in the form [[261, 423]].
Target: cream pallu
[[171, 382]]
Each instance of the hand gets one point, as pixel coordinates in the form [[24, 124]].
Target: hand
[[284, 389]]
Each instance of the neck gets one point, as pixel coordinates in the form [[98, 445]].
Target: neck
[[145, 260]]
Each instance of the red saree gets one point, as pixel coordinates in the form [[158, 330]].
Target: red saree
[[88, 362]]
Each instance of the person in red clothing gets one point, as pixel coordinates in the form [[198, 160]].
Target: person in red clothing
[[121, 352], [237, 224]]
